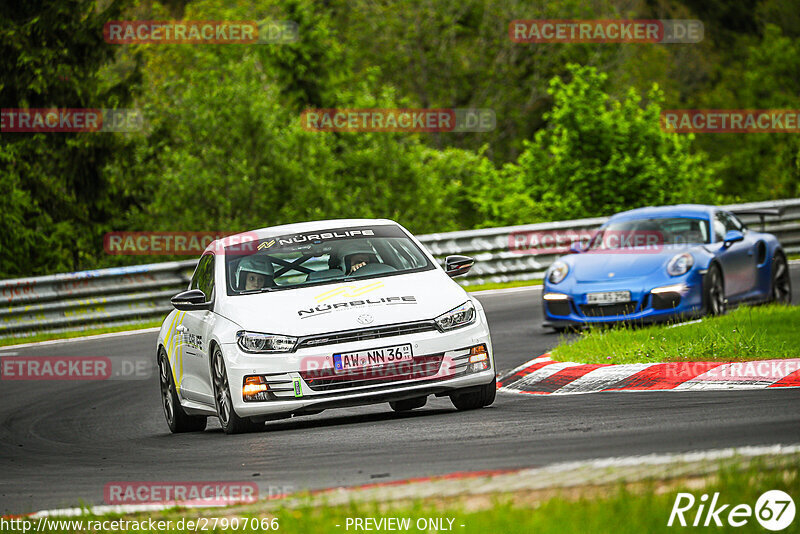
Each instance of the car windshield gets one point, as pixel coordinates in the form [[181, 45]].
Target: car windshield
[[321, 257], [651, 232]]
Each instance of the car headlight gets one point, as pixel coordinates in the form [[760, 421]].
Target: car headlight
[[680, 264], [457, 317], [558, 271], [264, 343]]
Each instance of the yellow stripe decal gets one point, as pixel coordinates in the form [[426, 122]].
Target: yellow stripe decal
[[348, 292], [182, 347], [169, 332], [168, 345]]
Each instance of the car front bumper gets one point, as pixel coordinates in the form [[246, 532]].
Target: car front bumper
[[645, 306], [300, 383]]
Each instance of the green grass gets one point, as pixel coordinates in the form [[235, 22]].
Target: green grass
[[623, 508], [747, 333], [504, 285], [6, 341]]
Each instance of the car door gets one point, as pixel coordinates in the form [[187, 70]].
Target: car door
[[738, 260], [195, 381]]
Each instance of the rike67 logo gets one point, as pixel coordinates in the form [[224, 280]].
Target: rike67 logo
[[774, 510]]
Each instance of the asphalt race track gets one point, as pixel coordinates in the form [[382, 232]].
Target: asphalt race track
[[61, 442]]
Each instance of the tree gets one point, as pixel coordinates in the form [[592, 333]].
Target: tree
[[758, 166], [55, 197], [599, 156], [226, 150]]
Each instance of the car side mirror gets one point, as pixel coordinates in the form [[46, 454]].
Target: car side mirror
[[458, 265], [191, 300], [733, 236], [576, 247]]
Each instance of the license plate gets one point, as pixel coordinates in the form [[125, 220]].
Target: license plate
[[608, 297], [362, 359]]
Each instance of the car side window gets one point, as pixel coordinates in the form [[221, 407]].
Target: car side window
[[203, 278], [196, 274], [733, 222], [719, 227]]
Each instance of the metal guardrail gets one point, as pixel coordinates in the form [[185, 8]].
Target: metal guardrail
[[497, 263], [76, 301]]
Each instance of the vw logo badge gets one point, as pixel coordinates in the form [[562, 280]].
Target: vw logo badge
[[365, 318]]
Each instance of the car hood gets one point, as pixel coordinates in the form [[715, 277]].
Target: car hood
[[603, 266], [345, 306]]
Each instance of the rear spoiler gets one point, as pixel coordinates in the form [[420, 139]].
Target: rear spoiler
[[762, 213]]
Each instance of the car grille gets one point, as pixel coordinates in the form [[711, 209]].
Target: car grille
[[327, 380], [666, 301], [362, 334], [608, 310], [558, 307]]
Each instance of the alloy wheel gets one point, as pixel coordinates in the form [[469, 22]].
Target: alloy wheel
[[221, 389], [166, 390], [781, 283], [716, 293]]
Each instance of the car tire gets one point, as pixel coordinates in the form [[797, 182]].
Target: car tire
[[229, 420], [177, 419], [781, 291], [714, 291], [475, 399], [408, 404]]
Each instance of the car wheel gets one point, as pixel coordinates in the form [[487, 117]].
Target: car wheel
[[229, 420], [177, 419], [781, 281], [408, 404], [475, 399], [714, 291]]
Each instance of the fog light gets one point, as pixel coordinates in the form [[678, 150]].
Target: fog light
[[255, 388], [482, 366], [478, 358]]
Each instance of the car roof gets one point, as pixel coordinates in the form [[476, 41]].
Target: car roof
[[296, 228], [678, 210]]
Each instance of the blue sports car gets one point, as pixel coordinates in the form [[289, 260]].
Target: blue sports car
[[654, 264]]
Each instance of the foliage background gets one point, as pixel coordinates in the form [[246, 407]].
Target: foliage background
[[577, 124]]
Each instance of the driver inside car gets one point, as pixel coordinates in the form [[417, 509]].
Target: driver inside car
[[254, 272], [356, 255]]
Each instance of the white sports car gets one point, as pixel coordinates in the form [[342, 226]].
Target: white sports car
[[295, 319]]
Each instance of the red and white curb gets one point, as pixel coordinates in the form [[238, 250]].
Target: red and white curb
[[544, 376]]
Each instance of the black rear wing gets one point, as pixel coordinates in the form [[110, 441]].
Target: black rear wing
[[762, 213]]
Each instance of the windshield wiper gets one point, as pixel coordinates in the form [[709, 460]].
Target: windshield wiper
[[254, 291]]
